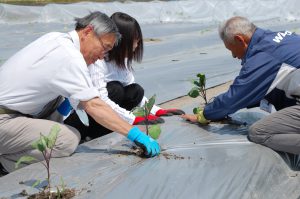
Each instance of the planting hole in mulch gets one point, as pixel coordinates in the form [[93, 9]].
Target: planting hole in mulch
[[66, 194]]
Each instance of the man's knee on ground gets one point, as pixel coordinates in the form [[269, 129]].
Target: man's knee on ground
[[257, 134], [67, 141]]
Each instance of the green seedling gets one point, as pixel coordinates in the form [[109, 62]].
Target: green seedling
[[45, 145], [154, 131], [196, 110], [199, 87], [144, 111]]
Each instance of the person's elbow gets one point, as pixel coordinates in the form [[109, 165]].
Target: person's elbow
[[91, 106]]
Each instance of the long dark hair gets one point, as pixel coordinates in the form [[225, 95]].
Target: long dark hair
[[130, 30]]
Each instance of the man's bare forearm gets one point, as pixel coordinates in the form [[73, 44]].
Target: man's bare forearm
[[104, 115]]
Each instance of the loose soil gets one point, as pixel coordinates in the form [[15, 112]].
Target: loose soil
[[66, 194], [169, 156], [138, 151]]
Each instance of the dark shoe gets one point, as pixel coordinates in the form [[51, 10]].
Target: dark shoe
[[86, 139], [3, 171]]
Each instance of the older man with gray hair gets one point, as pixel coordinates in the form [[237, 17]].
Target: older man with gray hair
[[36, 78], [269, 75]]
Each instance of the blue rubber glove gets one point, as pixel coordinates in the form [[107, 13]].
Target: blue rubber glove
[[150, 146], [65, 107]]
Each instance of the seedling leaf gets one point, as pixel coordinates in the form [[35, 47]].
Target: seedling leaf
[[138, 112], [196, 83], [150, 104], [40, 144], [196, 110], [25, 159], [194, 92], [201, 79], [58, 193], [154, 131], [53, 136], [36, 183], [63, 185]]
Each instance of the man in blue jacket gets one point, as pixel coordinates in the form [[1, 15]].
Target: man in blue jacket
[[269, 75]]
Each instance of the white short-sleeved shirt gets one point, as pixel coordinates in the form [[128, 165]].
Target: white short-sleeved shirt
[[45, 69], [103, 72]]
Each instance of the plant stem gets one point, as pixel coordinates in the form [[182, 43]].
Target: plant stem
[[146, 119], [48, 168], [204, 97], [203, 94], [48, 163]]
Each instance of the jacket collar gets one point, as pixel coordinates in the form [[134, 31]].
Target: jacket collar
[[75, 39], [254, 40]]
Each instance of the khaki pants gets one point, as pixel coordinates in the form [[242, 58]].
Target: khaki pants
[[18, 132], [279, 131]]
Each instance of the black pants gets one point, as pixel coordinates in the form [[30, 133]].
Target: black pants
[[126, 97]]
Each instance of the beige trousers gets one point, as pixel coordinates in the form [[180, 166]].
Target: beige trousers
[[18, 132], [279, 131]]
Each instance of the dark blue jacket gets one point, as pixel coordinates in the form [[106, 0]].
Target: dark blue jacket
[[269, 70]]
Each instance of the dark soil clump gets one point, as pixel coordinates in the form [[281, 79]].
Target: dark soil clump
[[66, 194], [172, 156], [138, 151]]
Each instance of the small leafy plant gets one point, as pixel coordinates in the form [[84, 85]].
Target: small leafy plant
[[144, 111], [45, 145], [199, 89]]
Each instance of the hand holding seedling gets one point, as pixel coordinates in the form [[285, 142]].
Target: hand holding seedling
[[198, 90], [149, 146], [197, 117]]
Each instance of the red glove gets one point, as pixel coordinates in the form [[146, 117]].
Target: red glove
[[152, 119], [169, 112]]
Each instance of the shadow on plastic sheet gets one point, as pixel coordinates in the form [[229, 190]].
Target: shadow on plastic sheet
[[292, 160], [87, 149], [239, 123], [30, 183], [235, 124]]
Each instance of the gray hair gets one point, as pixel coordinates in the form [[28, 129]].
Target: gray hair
[[236, 25], [101, 23]]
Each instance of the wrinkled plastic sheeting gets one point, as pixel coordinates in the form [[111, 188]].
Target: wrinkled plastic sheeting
[[204, 11], [181, 37], [216, 161]]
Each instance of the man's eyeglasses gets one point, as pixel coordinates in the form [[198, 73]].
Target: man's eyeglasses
[[105, 48]]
